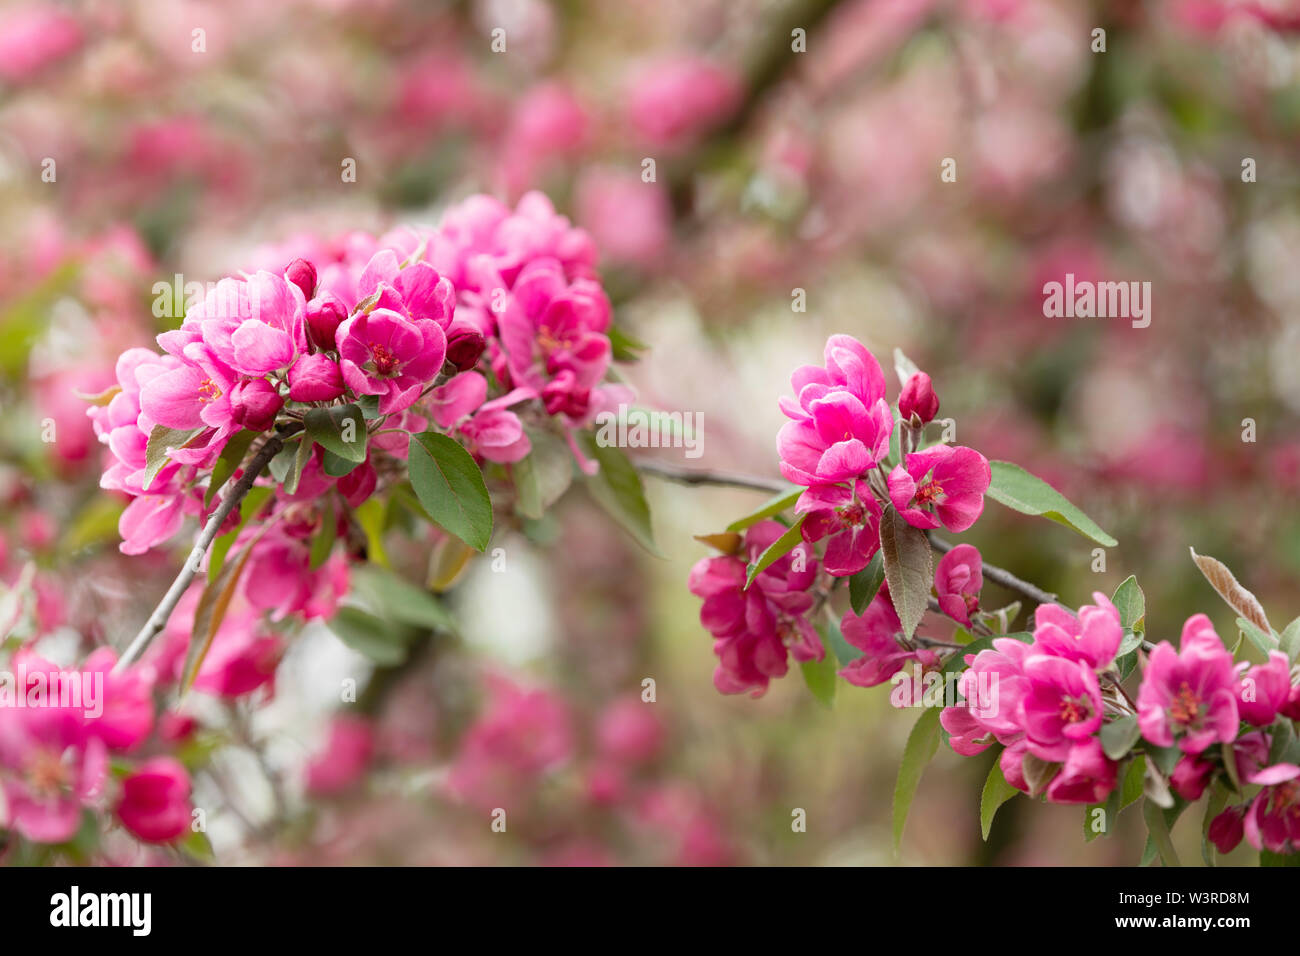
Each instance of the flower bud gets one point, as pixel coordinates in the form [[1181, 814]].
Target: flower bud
[[918, 399], [1226, 830], [254, 403], [155, 802], [323, 317], [465, 343], [315, 378], [302, 274]]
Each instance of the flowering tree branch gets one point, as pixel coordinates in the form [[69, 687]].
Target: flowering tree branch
[[229, 501], [1002, 576], [704, 476]]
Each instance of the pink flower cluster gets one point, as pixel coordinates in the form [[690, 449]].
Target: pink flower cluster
[[58, 729], [1197, 699], [494, 318], [753, 628], [837, 442], [1044, 700]]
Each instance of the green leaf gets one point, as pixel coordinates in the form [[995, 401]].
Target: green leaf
[[450, 486], [384, 643], [909, 568], [162, 440], [543, 476], [340, 429], [996, 792], [1263, 641], [228, 462], [618, 489], [772, 507], [397, 599], [1134, 782], [372, 515], [820, 678], [1218, 800], [301, 456], [1269, 858], [337, 467], [1131, 604], [829, 629], [1119, 736], [776, 550], [624, 347], [1020, 491], [322, 542], [1158, 828], [369, 405], [922, 743], [1290, 641], [865, 585], [1110, 811]]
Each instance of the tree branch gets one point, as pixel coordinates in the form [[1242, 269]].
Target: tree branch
[[1001, 576], [158, 619], [704, 476]]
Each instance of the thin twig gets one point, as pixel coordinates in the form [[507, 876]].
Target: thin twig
[[1002, 576], [158, 619], [703, 476]]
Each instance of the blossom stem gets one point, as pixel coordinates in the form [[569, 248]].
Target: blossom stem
[[158, 619]]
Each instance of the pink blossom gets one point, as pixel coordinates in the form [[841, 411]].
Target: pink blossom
[[1094, 636], [385, 354], [629, 732], [1061, 705], [958, 579], [1226, 830], [54, 766], [950, 480], [876, 632], [315, 378], [254, 403], [155, 803], [1189, 694], [1190, 777], [1087, 776], [128, 709], [344, 759], [839, 424], [1272, 822], [35, 36], [1265, 690], [630, 220], [521, 735], [753, 628], [673, 101], [918, 398], [849, 519]]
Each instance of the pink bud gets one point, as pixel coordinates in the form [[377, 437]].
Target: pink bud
[[465, 343], [1226, 830], [254, 403], [323, 317], [155, 803], [918, 398], [315, 378], [302, 274]]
